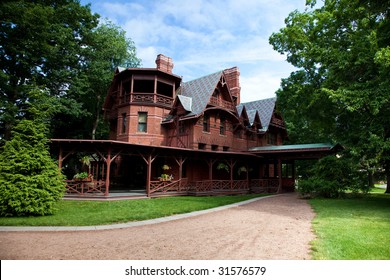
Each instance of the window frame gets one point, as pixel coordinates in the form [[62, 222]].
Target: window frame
[[142, 125]]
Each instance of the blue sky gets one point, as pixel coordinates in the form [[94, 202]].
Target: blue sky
[[206, 36]]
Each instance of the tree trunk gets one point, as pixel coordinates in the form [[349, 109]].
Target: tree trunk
[[387, 171], [370, 179], [96, 122], [95, 125]]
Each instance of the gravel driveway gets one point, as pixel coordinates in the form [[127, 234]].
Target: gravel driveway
[[277, 227]]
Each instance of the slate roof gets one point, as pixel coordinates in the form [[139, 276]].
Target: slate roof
[[200, 90], [194, 96], [265, 107], [186, 102], [251, 116], [239, 108]]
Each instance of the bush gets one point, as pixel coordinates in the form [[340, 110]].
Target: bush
[[331, 177], [30, 183]]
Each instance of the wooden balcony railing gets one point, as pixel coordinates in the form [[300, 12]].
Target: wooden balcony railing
[[152, 98], [222, 103], [278, 122]]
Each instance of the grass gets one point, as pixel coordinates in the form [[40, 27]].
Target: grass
[[88, 213], [352, 228]]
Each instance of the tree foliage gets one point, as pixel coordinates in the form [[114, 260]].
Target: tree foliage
[[58, 45], [108, 49], [331, 177], [341, 89], [40, 44], [30, 182]]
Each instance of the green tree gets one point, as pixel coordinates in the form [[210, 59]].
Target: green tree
[[108, 48], [30, 181], [341, 88], [40, 43]]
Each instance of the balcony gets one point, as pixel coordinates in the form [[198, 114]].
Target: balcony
[[146, 98], [222, 103], [278, 122]]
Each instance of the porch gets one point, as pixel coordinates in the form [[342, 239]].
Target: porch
[[124, 170], [96, 189]]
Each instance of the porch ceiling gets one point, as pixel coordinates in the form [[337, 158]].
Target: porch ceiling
[[84, 145]]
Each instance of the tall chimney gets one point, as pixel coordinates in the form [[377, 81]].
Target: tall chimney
[[164, 63], [232, 77]]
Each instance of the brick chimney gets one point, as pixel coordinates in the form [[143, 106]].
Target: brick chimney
[[232, 77], [164, 63]]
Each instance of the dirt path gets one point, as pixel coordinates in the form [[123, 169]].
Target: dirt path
[[273, 228]]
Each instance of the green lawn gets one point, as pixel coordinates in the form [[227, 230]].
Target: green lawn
[[352, 228], [86, 213]]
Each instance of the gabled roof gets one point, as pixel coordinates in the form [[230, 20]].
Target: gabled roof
[[186, 102], [251, 116], [265, 108], [240, 108], [200, 90]]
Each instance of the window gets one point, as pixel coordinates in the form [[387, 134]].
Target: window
[[201, 146], [142, 121], [182, 128], [124, 123], [287, 170], [214, 147], [225, 148], [222, 126], [206, 123]]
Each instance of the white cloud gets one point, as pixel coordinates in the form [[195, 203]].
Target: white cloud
[[204, 36]]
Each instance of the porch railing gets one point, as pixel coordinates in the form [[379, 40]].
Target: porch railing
[[169, 186], [219, 185], [264, 185], [85, 187]]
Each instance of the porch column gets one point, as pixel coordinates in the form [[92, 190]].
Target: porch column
[[247, 176], [231, 165], [108, 163], [293, 170], [60, 159], [210, 163], [149, 160], [280, 175], [148, 174], [180, 162]]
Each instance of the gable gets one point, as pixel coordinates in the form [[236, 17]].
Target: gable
[[200, 90], [265, 109]]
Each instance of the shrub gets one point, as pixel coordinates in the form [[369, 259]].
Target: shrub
[[332, 177], [30, 183]]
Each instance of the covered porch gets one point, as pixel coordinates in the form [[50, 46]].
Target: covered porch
[[119, 170]]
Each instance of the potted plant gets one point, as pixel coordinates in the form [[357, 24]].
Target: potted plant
[[223, 166], [82, 176], [164, 176], [242, 169]]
